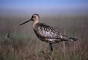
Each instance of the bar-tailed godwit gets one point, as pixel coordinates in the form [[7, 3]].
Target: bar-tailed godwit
[[47, 33]]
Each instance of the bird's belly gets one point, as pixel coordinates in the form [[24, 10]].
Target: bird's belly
[[48, 40], [53, 40], [45, 39]]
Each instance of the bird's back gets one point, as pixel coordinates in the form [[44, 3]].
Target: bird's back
[[45, 32], [49, 34]]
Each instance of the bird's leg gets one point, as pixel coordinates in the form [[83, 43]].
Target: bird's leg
[[51, 48]]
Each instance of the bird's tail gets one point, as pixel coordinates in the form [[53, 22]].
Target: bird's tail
[[66, 38], [73, 39]]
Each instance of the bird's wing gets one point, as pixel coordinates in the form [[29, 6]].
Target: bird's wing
[[46, 31]]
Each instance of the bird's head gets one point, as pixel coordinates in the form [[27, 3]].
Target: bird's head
[[35, 18]]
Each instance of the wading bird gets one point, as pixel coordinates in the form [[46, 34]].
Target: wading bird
[[47, 33]]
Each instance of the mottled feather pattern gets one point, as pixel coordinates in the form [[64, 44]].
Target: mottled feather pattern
[[49, 34], [47, 31]]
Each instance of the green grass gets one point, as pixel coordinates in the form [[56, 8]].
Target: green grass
[[24, 45], [30, 49]]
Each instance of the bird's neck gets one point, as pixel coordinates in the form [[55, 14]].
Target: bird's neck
[[35, 22]]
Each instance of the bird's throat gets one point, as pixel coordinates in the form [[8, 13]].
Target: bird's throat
[[35, 22]]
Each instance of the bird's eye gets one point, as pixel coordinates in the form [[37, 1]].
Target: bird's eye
[[33, 17]]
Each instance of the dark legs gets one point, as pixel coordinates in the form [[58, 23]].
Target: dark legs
[[51, 48]]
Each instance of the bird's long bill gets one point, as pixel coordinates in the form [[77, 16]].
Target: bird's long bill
[[25, 22]]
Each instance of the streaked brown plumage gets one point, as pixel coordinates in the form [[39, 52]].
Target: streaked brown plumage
[[46, 33]]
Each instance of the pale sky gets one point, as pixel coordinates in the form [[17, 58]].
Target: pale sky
[[43, 6]]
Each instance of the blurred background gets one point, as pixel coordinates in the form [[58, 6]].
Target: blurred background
[[20, 42]]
